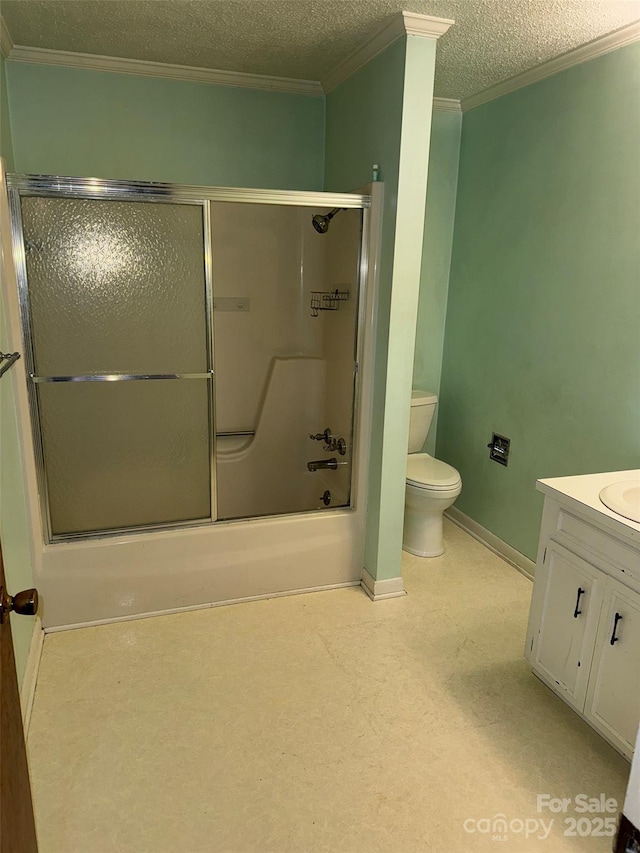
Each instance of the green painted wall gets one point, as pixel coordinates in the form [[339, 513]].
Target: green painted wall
[[542, 340], [71, 121], [14, 525], [14, 529], [6, 143], [444, 157], [382, 114]]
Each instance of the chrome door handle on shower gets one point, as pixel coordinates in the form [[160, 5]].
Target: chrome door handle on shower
[[120, 377]]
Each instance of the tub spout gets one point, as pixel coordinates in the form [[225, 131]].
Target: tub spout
[[324, 463]]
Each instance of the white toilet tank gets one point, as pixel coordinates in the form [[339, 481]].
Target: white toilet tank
[[423, 405]]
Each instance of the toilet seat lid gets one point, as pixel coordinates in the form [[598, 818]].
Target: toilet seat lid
[[423, 470]]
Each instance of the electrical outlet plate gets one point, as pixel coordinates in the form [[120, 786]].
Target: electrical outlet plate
[[499, 449]]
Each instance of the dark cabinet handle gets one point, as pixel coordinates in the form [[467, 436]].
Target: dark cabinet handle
[[617, 618], [577, 612]]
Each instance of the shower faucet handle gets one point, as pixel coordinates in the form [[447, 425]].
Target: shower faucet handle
[[338, 444], [322, 436]]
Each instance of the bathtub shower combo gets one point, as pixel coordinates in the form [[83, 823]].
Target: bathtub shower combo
[[192, 392]]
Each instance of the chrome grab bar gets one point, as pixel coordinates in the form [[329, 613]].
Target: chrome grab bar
[[120, 377]]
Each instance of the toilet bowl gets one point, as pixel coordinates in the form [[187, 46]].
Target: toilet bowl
[[432, 486]]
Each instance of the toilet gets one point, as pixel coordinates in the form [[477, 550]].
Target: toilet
[[432, 485]]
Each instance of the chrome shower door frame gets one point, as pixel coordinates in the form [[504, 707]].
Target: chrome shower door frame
[[97, 189], [20, 186]]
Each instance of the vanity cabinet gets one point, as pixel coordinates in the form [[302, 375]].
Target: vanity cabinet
[[583, 638], [613, 698], [573, 592]]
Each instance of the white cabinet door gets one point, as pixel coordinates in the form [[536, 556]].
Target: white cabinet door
[[613, 700], [569, 610]]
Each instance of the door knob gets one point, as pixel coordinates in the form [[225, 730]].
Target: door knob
[[25, 603]]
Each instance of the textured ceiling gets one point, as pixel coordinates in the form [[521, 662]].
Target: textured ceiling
[[305, 39]]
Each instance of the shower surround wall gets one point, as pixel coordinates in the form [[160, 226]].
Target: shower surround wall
[[281, 373], [271, 256], [270, 376]]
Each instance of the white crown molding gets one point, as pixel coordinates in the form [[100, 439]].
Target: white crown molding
[[404, 23], [425, 25], [6, 42], [447, 105], [43, 56], [591, 50]]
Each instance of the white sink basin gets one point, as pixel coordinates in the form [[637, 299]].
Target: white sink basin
[[623, 498]]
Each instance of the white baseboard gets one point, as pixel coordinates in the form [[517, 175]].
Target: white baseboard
[[380, 590], [514, 558], [28, 688], [54, 629]]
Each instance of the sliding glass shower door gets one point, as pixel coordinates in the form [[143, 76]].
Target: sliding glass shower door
[[123, 288], [115, 301]]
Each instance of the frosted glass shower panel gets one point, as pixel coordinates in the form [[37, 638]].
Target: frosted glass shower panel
[[117, 298], [115, 286], [125, 454]]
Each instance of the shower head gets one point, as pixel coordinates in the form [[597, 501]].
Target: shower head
[[321, 223]]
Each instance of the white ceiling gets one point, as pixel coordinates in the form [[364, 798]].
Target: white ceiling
[[491, 40]]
